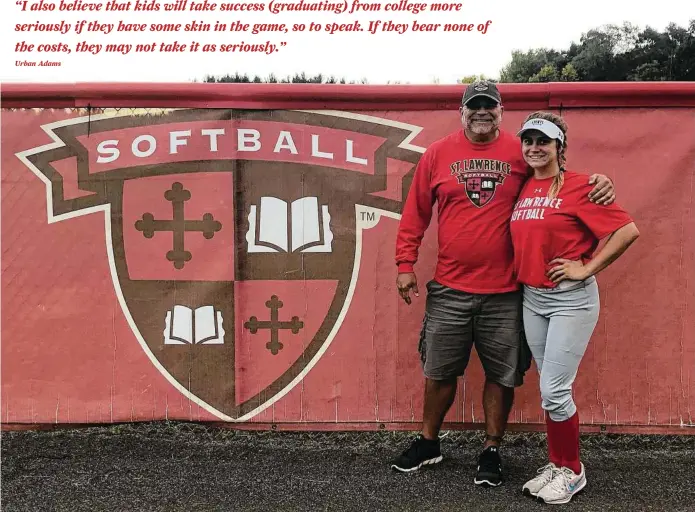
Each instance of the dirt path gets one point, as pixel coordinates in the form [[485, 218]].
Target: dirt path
[[177, 467]]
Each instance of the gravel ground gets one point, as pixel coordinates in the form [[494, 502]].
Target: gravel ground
[[180, 466]]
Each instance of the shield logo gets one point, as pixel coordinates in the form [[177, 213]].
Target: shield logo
[[480, 187], [233, 235]]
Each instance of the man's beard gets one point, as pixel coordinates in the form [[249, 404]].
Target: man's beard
[[478, 129]]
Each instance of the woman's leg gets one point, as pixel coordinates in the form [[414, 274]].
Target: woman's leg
[[573, 316], [536, 330], [569, 331]]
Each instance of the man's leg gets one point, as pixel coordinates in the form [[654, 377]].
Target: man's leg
[[446, 340], [497, 334], [497, 404], [439, 395]]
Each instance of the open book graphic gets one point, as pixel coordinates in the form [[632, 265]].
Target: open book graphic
[[276, 226], [186, 326]]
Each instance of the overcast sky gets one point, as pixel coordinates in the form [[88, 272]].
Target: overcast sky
[[413, 57]]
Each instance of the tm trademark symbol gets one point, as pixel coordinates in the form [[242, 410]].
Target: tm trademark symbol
[[368, 216]]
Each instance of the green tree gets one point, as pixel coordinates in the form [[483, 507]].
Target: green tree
[[469, 79], [569, 74], [298, 78], [547, 73], [524, 65], [668, 55], [611, 53], [685, 56], [595, 57]]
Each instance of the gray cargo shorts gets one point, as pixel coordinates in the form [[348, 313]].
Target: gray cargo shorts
[[455, 321]]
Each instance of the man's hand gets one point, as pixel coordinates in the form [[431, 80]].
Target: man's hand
[[405, 282], [566, 269], [604, 192]]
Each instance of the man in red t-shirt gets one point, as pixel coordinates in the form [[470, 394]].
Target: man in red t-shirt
[[474, 175]]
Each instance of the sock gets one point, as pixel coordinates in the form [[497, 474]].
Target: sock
[[570, 444], [554, 441], [431, 441]]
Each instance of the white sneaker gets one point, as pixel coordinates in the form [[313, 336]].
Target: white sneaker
[[562, 487], [545, 475]]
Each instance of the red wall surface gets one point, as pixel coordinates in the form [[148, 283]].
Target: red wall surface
[[86, 289]]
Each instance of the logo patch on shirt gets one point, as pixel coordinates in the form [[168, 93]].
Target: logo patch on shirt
[[480, 176]]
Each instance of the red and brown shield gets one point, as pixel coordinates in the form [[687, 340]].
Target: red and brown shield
[[232, 234], [480, 187]]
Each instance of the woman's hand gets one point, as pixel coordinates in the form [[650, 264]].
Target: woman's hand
[[567, 269]]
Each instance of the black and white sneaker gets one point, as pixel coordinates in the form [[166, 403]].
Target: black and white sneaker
[[420, 453], [489, 468]]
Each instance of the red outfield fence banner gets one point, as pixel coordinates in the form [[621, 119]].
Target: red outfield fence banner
[[225, 253]]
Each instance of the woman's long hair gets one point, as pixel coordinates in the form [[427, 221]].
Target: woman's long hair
[[559, 180]]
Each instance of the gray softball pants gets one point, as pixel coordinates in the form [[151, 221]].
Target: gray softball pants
[[559, 323]]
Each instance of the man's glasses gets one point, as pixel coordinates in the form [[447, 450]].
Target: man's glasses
[[484, 103]]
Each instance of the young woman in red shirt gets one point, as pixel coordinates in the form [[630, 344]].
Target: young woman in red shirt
[[555, 230]]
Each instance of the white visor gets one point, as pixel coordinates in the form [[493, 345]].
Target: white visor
[[545, 127]]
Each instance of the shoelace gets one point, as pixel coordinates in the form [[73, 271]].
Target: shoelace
[[545, 468], [414, 448], [560, 480]]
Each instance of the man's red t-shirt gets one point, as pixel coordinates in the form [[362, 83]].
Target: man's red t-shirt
[[569, 226], [475, 187]]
